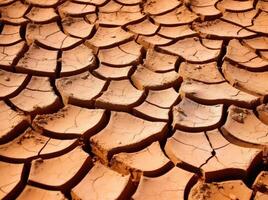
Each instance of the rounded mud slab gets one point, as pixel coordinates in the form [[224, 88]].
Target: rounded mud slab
[[134, 99]]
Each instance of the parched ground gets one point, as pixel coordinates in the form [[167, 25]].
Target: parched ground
[[134, 99]]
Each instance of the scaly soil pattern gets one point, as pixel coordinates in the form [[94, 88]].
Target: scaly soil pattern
[[134, 99]]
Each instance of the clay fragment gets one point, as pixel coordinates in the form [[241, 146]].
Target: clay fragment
[[133, 163], [171, 185], [70, 122], [244, 126], [38, 97], [49, 173], [12, 123], [99, 179], [234, 189], [116, 137], [191, 116]]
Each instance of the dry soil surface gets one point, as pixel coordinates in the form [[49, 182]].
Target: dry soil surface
[[134, 99]]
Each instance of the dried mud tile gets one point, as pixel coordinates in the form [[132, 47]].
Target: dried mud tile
[[30, 192], [263, 113], [60, 172], [217, 141], [119, 18], [129, 2], [222, 93], [191, 116], [151, 112], [38, 61], [10, 35], [55, 147], [110, 6], [10, 182], [257, 43], [243, 19], [159, 62], [178, 16], [205, 73], [113, 73], [261, 196], [50, 36], [43, 3], [134, 163], [11, 54], [38, 97], [264, 54], [235, 6], [260, 23], [220, 29], [162, 98], [146, 27], [42, 15], [14, 13], [11, 83], [206, 12], [31, 144], [245, 57], [176, 32], [77, 60], [107, 37], [92, 18], [223, 164], [158, 7], [80, 89], [28, 139], [117, 137], [120, 95], [261, 182], [77, 27], [188, 148], [262, 5], [172, 185], [205, 9], [227, 190], [152, 41], [6, 2], [131, 8], [243, 126], [144, 78], [102, 183], [12, 123], [69, 8], [94, 2], [191, 50], [255, 83], [36, 85], [114, 6], [212, 154], [211, 44], [70, 122], [122, 55]]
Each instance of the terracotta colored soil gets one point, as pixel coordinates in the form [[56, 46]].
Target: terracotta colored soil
[[134, 99]]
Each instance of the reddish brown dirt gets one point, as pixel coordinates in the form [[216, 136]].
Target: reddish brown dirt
[[134, 99]]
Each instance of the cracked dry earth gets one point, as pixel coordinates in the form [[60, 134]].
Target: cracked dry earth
[[134, 99]]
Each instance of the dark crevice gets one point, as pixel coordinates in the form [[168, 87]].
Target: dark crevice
[[222, 55], [85, 138], [59, 64], [1, 26], [23, 31], [55, 89]]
